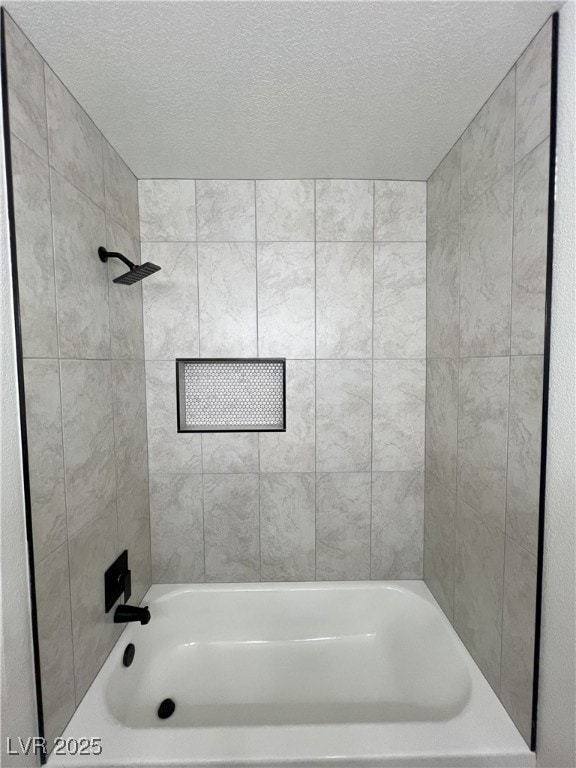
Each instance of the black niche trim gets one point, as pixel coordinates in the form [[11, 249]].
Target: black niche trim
[[180, 406]]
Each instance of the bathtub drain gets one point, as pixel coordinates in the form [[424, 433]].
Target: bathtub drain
[[128, 656], [166, 709]]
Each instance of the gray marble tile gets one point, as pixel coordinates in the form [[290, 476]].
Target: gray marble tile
[[397, 538], [400, 210], [231, 527], [530, 252], [236, 452], [74, 142], [167, 209], [287, 527], [121, 189], [398, 415], [343, 526], [442, 420], [478, 590], [344, 292], [482, 435], [171, 301], [518, 629], [524, 450], [55, 640], [486, 272], [294, 450], [134, 535], [31, 183], [439, 543], [286, 300], [488, 143], [400, 300], [344, 209], [45, 455], [91, 551], [343, 415], [227, 291], [169, 452], [533, 77], [130, 444], [26, 89], [177, 526], [443, 292], [125, 301], [443, 192], [87, 423], [285, 210], [81, 278], [226, 210]]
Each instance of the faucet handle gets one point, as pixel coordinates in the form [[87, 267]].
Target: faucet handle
[[117, 581], [125, 583]]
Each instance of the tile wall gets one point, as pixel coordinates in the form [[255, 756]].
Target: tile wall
[[487, 229], [83, 372], [334, 276], [330, 274]]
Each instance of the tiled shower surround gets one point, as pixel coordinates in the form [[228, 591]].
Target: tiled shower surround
[[487, 230], [330, 274], [83, 373], [400, 354]]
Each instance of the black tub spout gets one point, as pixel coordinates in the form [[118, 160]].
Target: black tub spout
[[125, 613]]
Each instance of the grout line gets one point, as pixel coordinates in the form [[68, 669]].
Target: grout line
[[425, 385], [458, 366], [283, 178], [139, 242], [315, 397], [77, 188], [201, 436], [370, 575], [509, 382], [59, 366], [258, 355], [112, 389]]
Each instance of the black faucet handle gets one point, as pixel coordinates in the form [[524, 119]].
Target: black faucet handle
[[117, 581], [127, 585]]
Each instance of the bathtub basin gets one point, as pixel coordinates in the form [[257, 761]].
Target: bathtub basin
[[353, 674]]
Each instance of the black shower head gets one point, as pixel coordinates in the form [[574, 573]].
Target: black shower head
[[137, 271]]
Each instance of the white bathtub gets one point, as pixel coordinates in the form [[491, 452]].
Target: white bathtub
[[353, 674]]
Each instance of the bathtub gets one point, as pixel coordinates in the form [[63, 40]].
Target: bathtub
[[316, 674]]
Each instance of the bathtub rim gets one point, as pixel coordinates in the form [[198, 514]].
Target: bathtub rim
[[482, 736]]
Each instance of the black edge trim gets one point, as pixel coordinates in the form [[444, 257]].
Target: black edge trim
[[546, 370], [20, 371]]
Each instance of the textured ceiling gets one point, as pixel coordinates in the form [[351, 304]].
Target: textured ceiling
[[281, 89]]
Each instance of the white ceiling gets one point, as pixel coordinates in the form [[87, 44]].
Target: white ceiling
[[275, 89]]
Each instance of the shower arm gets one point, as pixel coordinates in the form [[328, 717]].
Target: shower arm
[[105, 255]]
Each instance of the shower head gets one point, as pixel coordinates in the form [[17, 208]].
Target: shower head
[[137, 271]]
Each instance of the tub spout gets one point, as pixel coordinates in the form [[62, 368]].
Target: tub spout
[[125, 613]]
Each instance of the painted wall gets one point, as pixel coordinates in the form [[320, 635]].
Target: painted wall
[[556, 746], [83, 373], [487, 246], [330, 275]]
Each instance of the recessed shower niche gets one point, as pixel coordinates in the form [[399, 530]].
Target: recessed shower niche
[[231, 395]]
